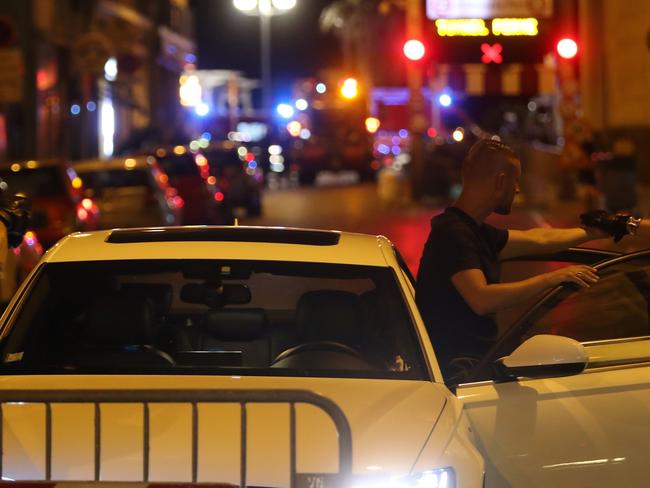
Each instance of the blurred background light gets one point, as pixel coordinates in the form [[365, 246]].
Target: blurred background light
[[302, 104], [445, 100], [285, 110], [321, 88], [245, 5], [110, 69]]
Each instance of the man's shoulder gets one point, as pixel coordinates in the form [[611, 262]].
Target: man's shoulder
[[449, 221]]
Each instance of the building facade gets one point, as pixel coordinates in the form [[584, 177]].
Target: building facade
[[90, 78]]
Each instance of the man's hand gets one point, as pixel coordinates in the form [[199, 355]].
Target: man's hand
[[614, 225], [582, 275]]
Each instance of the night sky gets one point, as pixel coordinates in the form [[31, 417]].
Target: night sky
[[229, 39]]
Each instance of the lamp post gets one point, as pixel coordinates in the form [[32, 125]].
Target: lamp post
[[265, 9]]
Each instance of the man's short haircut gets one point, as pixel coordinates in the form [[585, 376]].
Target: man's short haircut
[[486, 158]]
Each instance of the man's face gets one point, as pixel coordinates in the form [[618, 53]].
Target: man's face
[[509, 189]]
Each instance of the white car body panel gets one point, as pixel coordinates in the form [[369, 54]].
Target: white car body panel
[[352, 249], [390, 420], [589, 429]]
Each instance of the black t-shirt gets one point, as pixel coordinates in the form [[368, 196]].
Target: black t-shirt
[[457, 243]]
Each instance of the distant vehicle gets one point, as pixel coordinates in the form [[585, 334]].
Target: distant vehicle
[[336, 140], [56, 192], [239, 184], [131, 192], [189, 173]]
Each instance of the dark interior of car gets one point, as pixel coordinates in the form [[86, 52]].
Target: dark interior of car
[[273, 318]]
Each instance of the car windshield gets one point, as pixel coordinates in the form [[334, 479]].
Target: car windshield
[[214, 317], [117, 178], [38, 182]]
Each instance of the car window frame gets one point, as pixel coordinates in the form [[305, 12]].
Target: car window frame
[[510, 338]]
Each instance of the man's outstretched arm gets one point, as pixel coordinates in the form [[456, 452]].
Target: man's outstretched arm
[[483, 298], [547, 240]]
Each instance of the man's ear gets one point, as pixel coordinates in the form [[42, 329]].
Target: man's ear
[[499, 181]]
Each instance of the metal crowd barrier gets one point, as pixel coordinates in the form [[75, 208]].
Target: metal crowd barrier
[[194, 397]]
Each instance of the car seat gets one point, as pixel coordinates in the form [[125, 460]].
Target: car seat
[[120, 333], [329, 327]]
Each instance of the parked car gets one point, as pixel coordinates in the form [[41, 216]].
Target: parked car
[[189, 173], [57, 197], [237, 180], [131, 192], [250, 356]]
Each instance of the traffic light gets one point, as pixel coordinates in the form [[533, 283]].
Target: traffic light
[[414, 49], [567, 48]]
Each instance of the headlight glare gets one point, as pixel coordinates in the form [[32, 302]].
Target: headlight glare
[[434, 478]]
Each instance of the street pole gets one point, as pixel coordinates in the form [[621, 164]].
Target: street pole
[[417, 119], [265, 50]]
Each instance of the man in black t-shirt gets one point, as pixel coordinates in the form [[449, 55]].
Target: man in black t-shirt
[[458, 288]]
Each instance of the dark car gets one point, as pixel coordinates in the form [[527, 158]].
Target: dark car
[[56, 194], [189, 173], [237, 180]]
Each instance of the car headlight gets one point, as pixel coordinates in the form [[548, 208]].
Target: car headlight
[[434, 478]]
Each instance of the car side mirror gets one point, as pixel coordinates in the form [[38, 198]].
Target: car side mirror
[[545, 355]]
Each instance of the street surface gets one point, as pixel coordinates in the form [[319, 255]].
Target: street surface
[[358, 208]]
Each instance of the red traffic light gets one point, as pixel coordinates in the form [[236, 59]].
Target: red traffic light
[[414, 49], [567, 48]]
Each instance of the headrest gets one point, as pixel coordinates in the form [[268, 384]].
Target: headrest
[[161, 295], [242, 324], [329, 315], [120, 320]]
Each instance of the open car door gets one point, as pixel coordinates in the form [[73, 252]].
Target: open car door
[[572, 410]]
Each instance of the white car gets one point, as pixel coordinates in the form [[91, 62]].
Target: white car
[[248, 356], [563, 399]]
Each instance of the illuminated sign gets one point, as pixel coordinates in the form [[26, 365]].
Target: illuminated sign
[[461, 27], [514, 27], [488, 9], [477, 27], [491, 54]]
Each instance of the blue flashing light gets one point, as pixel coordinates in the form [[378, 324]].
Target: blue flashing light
[[285, 110], [75, 109], [91, 106], [396, 150], [252, 164], [445, 100], [206, 135], [403, 133], [383, 149], [202, 109]]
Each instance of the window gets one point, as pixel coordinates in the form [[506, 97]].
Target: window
[[40, 182], [119, 178], [615, 307], [214, 317]]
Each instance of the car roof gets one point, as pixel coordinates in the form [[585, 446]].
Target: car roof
[[33, 164], [91, 165], [226, 242]]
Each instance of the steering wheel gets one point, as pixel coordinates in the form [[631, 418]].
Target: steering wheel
[[331, 346]]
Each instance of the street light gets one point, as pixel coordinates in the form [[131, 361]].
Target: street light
[[265, 9]]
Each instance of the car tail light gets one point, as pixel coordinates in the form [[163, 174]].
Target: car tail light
[[86, 210], [87, 204], [219, 196]]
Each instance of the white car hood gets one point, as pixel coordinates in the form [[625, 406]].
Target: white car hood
[[390, 422]]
